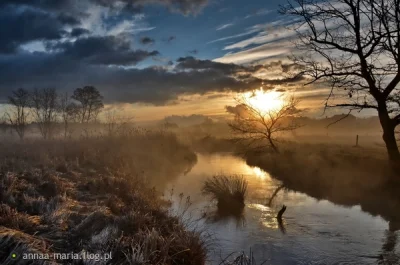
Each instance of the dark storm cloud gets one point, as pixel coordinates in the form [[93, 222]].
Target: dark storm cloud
[[159, 86], [156, 85], [77, 32], [147, 41], [185, 7], [23, 21], [27, 25], [107, 50], [239, 71], [152, 85], [193, 63], [43, 4]]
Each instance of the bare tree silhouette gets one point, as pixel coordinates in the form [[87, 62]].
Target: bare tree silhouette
[[18, 115], [44, 105], [255, 126], [69, 113], [355, 46], [90, 103]]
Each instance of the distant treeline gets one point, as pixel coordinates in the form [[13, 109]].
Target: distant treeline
[[48, 109]]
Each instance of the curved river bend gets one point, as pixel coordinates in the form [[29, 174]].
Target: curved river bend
[[314, 232]]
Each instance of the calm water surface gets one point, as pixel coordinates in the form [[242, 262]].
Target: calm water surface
[[314, 232]]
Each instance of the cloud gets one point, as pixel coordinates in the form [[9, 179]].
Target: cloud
[[259, 12], [231, 37], [193, 63], [27, 25], [147, 41], [224, 26], [25, 21], [270, 32], [106, 50], [77, 32], [185, 7], [239, 110], [269, 50], [154, 85]]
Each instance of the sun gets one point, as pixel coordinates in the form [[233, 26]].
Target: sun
[[264, 100]]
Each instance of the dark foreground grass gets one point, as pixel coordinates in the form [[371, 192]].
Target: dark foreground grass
[[93, 195], [228, 191]]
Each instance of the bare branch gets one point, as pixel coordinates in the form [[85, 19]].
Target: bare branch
[[256, 126]]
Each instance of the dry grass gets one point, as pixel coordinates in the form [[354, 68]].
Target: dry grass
[[228, 191], [341, 174], [95, 194]]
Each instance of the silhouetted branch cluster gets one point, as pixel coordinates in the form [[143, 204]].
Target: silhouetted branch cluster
[[255, 126], [354, 45]]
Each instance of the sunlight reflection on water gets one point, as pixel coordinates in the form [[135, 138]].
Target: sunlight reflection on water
[[317, 232]]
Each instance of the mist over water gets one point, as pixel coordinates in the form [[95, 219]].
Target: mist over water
[[314, 231]]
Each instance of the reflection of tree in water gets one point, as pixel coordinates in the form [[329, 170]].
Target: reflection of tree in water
[[389, 255], [274, 194], [281, 224], [280, 220], [219, 216]]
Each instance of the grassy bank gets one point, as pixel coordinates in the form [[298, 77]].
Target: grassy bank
[[341, 174], [94, 194]]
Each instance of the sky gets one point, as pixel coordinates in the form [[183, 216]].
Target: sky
[[151, 58]]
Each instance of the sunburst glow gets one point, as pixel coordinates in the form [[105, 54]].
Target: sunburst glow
[[264, 100]]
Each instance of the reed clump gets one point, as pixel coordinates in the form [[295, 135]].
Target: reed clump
[[228, 191]]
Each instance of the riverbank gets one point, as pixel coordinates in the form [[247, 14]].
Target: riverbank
[[94, 195], [341, 174]]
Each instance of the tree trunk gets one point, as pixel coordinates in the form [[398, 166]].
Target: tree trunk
[[391, 144], [274, 147], [389, 136]]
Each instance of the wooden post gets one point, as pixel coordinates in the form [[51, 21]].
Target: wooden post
[[357, 141]]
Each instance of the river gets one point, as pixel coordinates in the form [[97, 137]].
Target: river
[[313, 232]]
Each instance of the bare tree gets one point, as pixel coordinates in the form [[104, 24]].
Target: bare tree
[[69, 113], [3, 124], [90, 103], [44, 104], [18, 115], [256, 126], [355, 46]]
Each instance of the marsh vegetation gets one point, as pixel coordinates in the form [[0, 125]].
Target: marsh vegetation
[[93, 194], [228, 191]]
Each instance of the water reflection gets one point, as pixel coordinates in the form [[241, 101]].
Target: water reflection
[[389, 255], [259, 173], [279, 188], [222, 217], [312, 231]]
